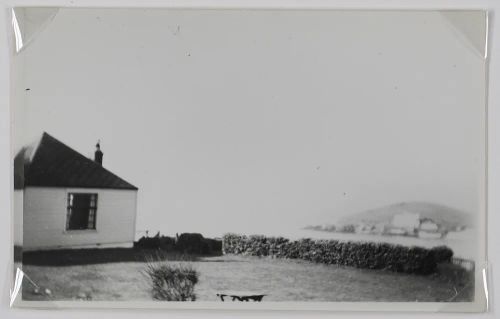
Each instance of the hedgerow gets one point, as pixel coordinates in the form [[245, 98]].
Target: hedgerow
[[368, 255]]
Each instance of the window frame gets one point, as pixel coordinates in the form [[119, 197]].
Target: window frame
[[92, 212]]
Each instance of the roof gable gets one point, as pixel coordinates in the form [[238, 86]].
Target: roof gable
[[53, 164]]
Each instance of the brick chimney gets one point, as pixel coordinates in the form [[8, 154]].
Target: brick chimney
[[98, 154]]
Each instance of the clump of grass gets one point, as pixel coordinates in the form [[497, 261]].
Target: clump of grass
[[461, 280], [171, 282]]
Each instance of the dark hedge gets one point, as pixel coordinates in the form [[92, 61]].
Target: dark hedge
[[442, 254], [368, 255], [189, 243]]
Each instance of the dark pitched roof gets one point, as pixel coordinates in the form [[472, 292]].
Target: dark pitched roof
[[51, 163]]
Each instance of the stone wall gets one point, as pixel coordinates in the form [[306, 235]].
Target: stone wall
[[368, 255]]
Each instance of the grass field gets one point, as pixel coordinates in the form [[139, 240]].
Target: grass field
[[280, 280]]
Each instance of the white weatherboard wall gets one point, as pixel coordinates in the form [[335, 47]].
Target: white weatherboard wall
[[44, 222], [18, 217]]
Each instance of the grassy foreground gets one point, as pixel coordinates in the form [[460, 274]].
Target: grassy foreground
[[280, 280]]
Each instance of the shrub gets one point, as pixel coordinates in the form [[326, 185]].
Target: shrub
[[188, 243], [172, 282], [442, 254], [213, 246], [148, 242], [192, 243], [167, 243]]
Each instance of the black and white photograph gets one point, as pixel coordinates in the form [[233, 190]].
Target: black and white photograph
[[288, 159]]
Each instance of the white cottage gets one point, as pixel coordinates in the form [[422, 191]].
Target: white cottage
[[63, 199]]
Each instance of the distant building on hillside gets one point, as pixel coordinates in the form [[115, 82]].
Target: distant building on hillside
[[362, 228], [427, 224], [410, 224], [404, 224], [429, 229]]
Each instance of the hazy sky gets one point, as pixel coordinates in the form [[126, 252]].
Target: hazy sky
[[262, 121]]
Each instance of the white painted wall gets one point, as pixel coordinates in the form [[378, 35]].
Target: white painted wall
[[44, 219], [18, 217]]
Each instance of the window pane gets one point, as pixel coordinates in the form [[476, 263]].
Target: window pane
[[68, 217], [92, 200], [91, 219]]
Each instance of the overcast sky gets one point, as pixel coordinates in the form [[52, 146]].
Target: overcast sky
[[262, 121]]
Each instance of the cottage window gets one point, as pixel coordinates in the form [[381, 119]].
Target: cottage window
[[81, 213]]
